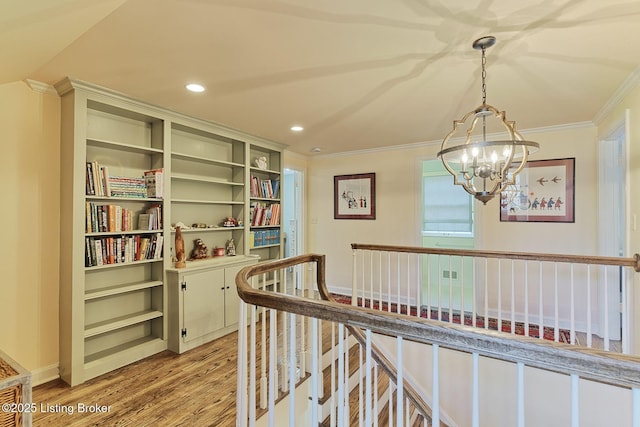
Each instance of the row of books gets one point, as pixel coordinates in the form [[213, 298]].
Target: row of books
[[114, 218], [264, 238], [100, 183], [264, 214], [265, 188], [122, 249]]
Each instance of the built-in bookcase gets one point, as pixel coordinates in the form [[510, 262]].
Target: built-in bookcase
[[208, 186], [265, 202], [117, 243]]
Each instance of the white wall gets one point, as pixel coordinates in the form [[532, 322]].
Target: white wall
[[398, 203], [29, 254]]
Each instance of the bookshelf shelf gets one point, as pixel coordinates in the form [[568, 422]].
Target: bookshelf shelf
[[129, 172], [120, 289], [122, 147], [197, 178], [120, 322], [208, 202], [137, 349], [122, 233], [209, 229], [197, 159]]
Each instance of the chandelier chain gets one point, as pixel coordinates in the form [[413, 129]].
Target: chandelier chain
[[484, 76]]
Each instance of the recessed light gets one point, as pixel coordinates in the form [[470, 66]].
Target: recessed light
[[297, 128], [316, 149], [195, 87]]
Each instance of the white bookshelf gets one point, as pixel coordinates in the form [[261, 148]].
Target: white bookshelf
[[116, 313]]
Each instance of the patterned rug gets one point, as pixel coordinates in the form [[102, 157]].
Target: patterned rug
[[519, 328]]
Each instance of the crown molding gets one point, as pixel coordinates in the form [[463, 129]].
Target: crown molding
[[623, 90], [424, 144], [41, 87]]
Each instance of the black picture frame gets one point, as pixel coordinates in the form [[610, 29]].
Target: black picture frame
[[354, 196]]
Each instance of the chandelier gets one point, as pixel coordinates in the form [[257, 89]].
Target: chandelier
[[485, 167]]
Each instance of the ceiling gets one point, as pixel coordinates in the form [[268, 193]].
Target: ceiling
[[356, 74]]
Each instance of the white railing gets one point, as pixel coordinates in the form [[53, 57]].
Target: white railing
[[468, 376], [285, 359], [564, 298]]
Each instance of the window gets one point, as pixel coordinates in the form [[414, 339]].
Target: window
[[447, 209]]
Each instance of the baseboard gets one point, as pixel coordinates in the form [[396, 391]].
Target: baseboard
[[45, 374]]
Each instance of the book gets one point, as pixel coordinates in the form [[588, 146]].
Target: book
[[145, 221], [154, 182]]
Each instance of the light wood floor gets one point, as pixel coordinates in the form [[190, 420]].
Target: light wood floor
[[196, 388]]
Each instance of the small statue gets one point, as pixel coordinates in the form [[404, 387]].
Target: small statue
[[230, 222], [180, 255], [231, 248], [199, 250], [261, 162]]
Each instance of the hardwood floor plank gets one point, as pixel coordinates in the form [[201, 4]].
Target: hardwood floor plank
[[196, 388]]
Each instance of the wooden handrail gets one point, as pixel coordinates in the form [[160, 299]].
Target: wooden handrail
[[633, 262], [610, 368]]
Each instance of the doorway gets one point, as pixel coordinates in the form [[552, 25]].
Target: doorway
[[293, 217], [612, 226]]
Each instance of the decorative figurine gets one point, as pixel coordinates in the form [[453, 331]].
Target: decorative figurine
[[180, 255], [199, 250], [230, 222], [261, 162], [231, 248]]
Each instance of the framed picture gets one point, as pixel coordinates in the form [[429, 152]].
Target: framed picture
[[354, 196], [544, 192]]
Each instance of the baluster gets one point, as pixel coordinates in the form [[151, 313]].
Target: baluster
[[389, 282], [428, 286], [375, 395], [556, 326], [273, 371], [380, 301], [450, 290], [354, 275], [332, 400], [461, 281], [589, 337], [315, 371], [371, 279], [474, 282], [418, 285], [252, 366], [360, 386], [439, 276], [292, 369], [342, 381], [400, 385], [500, 294], [606, 309], [408, 284], [575, 401], [572, 329], [368, 415], [526, 298], [241, 399], [513, 297], [398, 286], [435, 387], [625, 311], [475, 393], [486, 293], [540, 303], [521, 414], [263, 358]]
